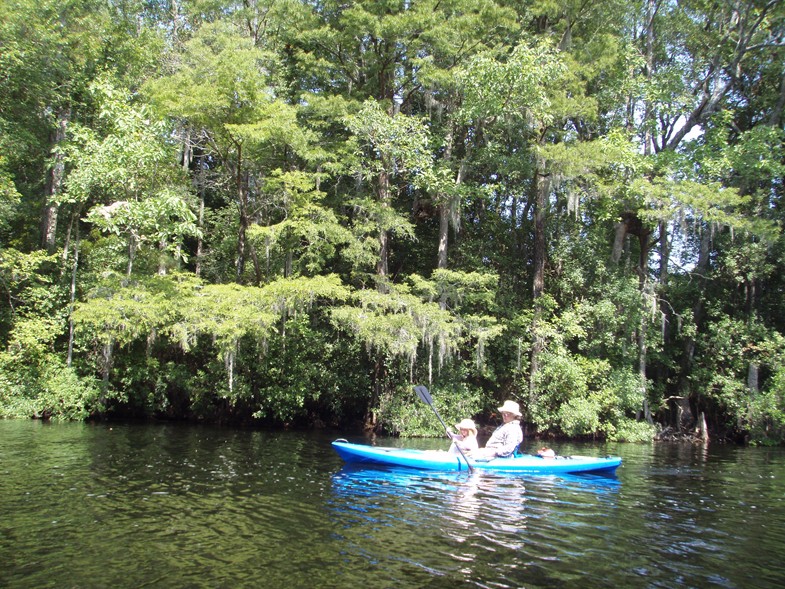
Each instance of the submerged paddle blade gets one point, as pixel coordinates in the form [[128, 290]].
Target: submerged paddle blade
[[423, 394]]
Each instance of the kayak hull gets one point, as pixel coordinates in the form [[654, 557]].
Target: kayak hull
[[446, 461]]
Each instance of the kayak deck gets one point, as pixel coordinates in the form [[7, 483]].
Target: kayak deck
[[446, 461]]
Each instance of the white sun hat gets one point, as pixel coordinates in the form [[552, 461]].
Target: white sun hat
[[467, 424], [511, 407]]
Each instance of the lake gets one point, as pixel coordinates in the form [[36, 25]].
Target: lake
[[189, 506]]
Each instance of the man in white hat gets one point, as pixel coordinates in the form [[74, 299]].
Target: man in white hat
[[507, 437]]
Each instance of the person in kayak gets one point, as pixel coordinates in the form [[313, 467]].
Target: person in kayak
[[546, 452], [504, 441], [466, 439]]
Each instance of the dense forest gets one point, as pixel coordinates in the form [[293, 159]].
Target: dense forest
[[288, 212]]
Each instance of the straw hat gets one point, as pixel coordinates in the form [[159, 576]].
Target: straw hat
[[511, 407], [467, 424]]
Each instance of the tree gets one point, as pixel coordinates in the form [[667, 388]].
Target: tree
[[222, 89], [697, 57]]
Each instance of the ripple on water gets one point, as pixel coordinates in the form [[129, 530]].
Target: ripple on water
[[200, 507]]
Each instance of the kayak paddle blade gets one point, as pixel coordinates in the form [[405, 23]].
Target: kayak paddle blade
[[423, 394]]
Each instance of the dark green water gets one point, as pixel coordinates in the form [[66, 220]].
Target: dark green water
[[175, 506]]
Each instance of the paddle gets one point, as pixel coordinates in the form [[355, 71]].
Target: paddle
[[425, 397]]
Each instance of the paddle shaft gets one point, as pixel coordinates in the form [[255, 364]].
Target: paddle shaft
[[425, 397]]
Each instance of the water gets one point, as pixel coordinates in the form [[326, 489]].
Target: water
[[182, 506]]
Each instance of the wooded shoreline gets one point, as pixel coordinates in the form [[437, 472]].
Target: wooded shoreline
[[290, 213]]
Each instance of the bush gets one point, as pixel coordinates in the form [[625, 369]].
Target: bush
[[629, 430], [403, 414], [579, 417], [765, 416], [54, 391]]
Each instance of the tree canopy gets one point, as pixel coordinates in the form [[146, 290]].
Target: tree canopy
[[290, 212]]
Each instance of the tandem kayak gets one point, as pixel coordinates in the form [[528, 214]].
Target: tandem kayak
[[446, 461]]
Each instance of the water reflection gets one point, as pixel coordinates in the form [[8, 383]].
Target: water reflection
[[172, 506], [473, 520], [461, 486]]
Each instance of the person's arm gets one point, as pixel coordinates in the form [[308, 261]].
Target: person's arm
[[468, 445]]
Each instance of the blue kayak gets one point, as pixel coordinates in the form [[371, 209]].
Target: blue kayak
[[446, 461]]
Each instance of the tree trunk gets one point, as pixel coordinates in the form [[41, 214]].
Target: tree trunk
[[541, 188], [162, 258], [201, 181], [382, 264], [642, 350], [382, 269], [619, 233], [133, 243], [378, 388], [775, 119], [689, 343], [448, 207], [644, 288], [72, 299], [631, 224], [753, 371], [229, 365], [703, 430], [649, 114], [106, 368], [243, 210], [665, 254], [643, 236], [444, 226], [54, 184], [444, 211], [199, 240]]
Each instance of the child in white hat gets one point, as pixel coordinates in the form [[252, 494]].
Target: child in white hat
[[466, 439]]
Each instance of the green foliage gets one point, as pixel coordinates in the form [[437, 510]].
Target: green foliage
[[579, 416], [255, 197], [34, 380], [122, 156], [310, 233], [732, 346], [395, 323], [629, 430], [302, 373], [9, 195], [123, 311], [49, 390], [592, 392], [580, 398], [393, 144], [34, 311], [765, 414], [190, 314], [405, 415], [512, 85]]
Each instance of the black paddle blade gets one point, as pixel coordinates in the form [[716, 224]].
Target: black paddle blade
[[425, 397], [423, 394]]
